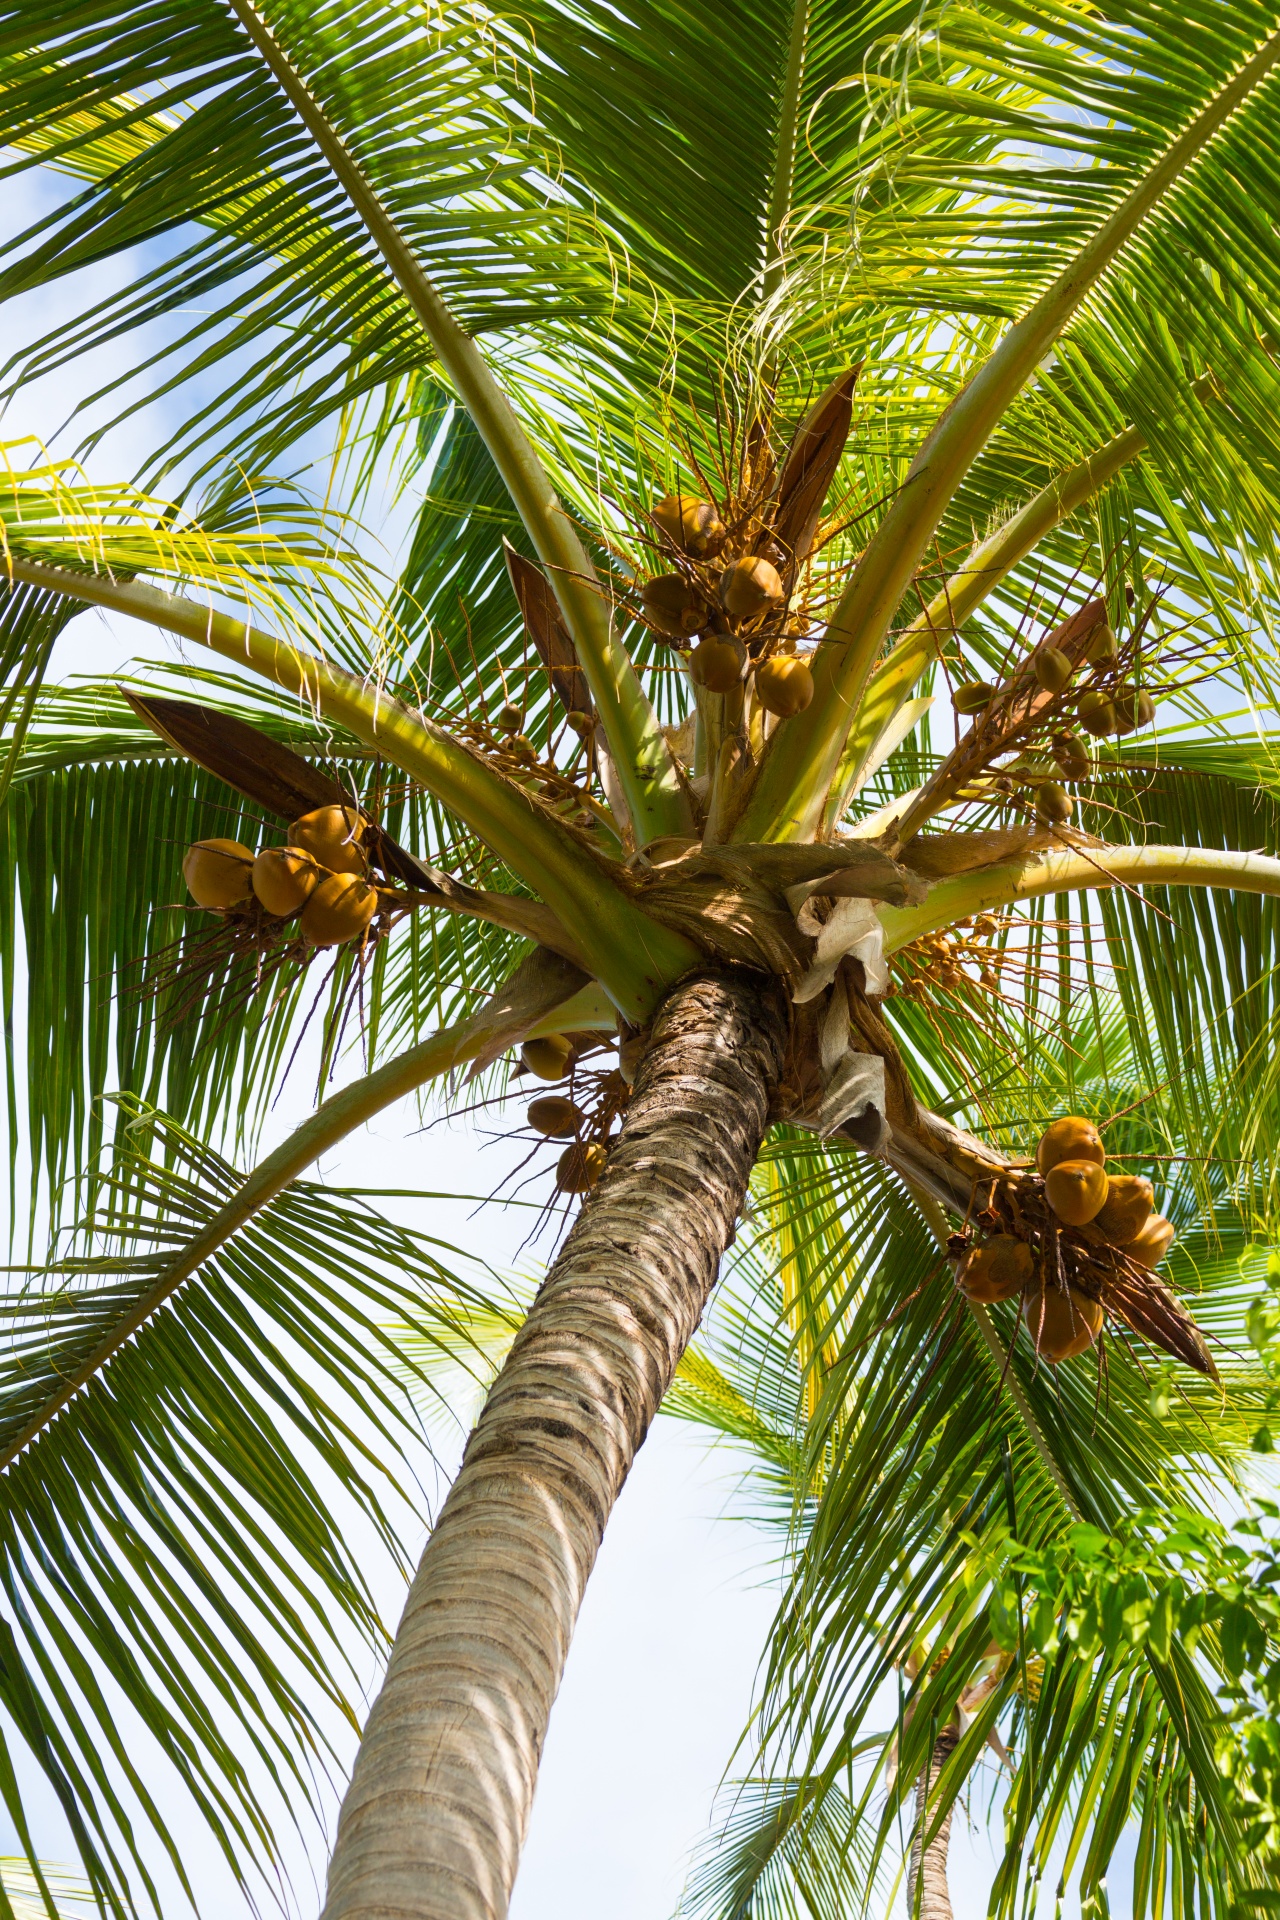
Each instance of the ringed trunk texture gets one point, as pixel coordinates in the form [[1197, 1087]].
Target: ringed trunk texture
[[928, 1895], [436, 1812]]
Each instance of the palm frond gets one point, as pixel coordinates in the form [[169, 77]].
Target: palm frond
[[180, 1520]]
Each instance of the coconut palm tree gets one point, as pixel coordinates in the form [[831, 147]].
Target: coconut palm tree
[[760, 375]]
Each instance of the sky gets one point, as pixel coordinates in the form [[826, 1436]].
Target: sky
[[660, 1678]]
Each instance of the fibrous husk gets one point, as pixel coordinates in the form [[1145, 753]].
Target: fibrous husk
[[784, 685], [1070, 1138], [693, 525], [717, 664], [334, 836], [548, 1056], [673, 606], [1150, 1245], [284, 878], [340, 909], [580, 1166], [997, 1269], [750, 586], [554, 1116], [1052, 668], [1128, 1206], [218, 873], [1076, 1190], [973, 696], [1062, 1322]]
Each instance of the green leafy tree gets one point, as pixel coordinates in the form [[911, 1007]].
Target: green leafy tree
[[792, 364]]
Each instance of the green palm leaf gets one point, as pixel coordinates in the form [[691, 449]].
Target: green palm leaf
[[177, 1526]]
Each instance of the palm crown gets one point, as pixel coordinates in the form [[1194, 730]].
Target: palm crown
[[753, 380]]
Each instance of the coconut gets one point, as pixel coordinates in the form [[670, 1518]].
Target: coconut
[[1097, 713], [548, 1056], [1134, 708], [509, 718], [716, 665], [784, 685], [997, 1270], [339, 909], [1052, 669], [580, 723], [1150, 1246], [1071, 1138], [972, 696], [580, 1166], [218, 873], [1127, 1208], [332, 835], [673, 606], [1071, 754], [1053, 804], [1062, 1324], [689, 523], [1076, 1189], [522, 747], [284, 879], [750, 586], [554, 1116], [1103, 647]]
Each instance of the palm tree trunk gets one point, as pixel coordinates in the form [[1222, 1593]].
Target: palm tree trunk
[[928, 1896], [435, 1816]]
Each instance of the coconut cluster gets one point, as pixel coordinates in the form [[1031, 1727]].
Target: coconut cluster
[[318, 878], [558, 1116], [725, 606], [1097, 696], [1060, 1235]]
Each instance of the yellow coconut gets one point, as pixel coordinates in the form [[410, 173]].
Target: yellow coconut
[[1097, 713], [1127, 1208], [1062, 1324], [580, 723], [1150, 1246], [673, 606], [1071, 754], [1076, 1189], [972, 696], [509, 718], [332, 835], [784, 685], [554, 1116], [689, 523], [548, 1056], [1054, 805], [218, 873], [284, 879], [750, 586], [716, 665], [1134, 708], [1103, 647], [1052, 669], [1071, 1138], [580, 1166], [997, 1270], [339, 910]]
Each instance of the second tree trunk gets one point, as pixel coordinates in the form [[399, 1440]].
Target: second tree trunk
[[435, 1816], [928, 1895]]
